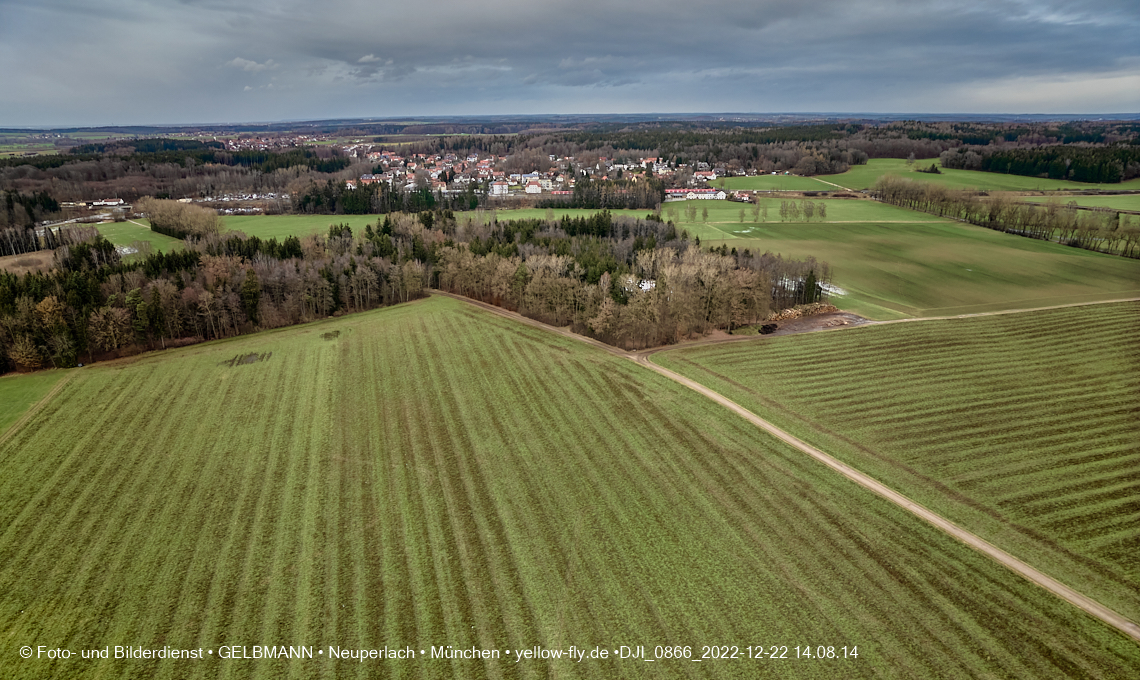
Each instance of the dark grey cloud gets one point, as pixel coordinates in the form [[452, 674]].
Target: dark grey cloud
[[153, 61]]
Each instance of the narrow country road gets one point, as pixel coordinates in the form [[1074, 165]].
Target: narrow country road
[[1054, 586]]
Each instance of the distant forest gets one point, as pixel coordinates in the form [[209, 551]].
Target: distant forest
[[630, 282], [1093, 164]]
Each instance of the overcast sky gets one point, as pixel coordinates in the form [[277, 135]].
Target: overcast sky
[[107, 62]]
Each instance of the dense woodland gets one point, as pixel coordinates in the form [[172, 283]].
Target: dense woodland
[[24, 210], [626, 281], [632, 283], [1106, 231], [1097, 165]]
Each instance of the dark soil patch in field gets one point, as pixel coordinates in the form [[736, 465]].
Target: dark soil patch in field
[[243, 359], [331, 335]]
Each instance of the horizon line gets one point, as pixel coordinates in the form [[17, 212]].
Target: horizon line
[[664, 116]]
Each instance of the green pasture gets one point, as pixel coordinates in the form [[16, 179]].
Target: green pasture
[[1126, 202], [125, 233], [18, 393], [1021, 427], [724, 219], [725, 215], [895, 263], [282, 226], [865, 176], [541, 213], [779, 182], [891, 271], [433, 475]]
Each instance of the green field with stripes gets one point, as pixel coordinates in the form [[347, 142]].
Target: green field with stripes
[[1022, 427], [432, 474]]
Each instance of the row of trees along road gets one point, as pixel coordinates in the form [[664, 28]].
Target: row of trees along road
[[1106, 231]]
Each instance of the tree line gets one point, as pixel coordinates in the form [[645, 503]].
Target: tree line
[[625, 281], [27, 209], [92, 303], [1096, 165], [1106, 231], [20, 240]]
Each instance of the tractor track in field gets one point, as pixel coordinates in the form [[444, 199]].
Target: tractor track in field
[[1023, 569]]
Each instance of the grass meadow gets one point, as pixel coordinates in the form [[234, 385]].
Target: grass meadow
[[433, 474], [262, 226], [865, 176], [895, 263], [19, 392], [282, 226], [540, 213], [724, 214], [125, 233], [1021, 427]]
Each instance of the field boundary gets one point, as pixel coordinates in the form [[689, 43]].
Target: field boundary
[[33, 410], [871, 322], [971, 315], [1023, 569]]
